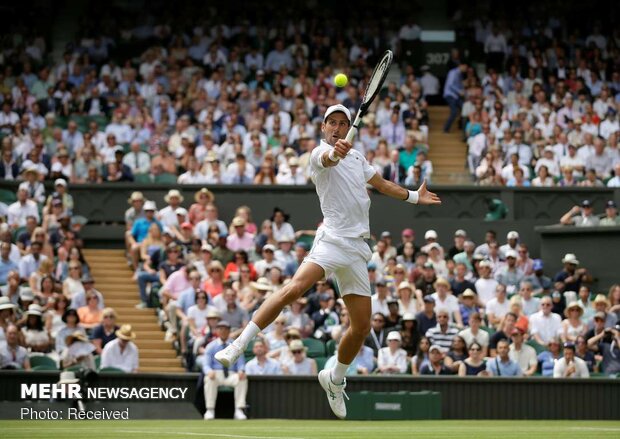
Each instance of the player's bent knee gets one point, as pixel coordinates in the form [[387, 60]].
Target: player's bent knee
[[291, 292]]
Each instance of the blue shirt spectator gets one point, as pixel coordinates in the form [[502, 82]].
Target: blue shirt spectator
[[547, 361], [210, 363], [140, 228], [6, 264], [454, 84], [268, 367], [502, 365]]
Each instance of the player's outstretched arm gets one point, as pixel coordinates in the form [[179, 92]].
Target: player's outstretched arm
[[386, 187]]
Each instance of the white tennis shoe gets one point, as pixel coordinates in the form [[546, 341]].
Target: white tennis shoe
[[229, 355], [335, 394]]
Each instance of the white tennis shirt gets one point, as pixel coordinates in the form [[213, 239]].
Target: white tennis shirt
[[342, 192]]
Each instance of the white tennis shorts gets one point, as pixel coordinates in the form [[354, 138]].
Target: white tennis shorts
[[345, 258]]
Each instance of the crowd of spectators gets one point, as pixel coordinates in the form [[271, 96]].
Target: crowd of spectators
[[205, 102], [51, 314], [217, 103], [544, 109], [434, 307]]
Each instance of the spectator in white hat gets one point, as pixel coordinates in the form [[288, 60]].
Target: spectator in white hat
[[571, 276], [512, 239], [168, 215], [263, 265], [392, 359], [431, 238], [509, 275]]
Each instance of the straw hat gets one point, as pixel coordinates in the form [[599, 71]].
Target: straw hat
[[76, 335], [34, 310], [205, 191], [600, 298], [573, 305], [135, 196], [297, 345], [173, 193], [261, 284], [5, 303], [441, 281], [125, 333], [213, 314], [570, 258]]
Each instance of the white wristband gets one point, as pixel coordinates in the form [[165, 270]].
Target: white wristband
[[333, 157], [413, 197]]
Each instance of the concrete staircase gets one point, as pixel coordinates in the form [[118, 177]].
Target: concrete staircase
[[448, 152], [114, 280]]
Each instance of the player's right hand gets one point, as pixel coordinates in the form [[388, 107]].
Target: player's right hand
[[342, 148]]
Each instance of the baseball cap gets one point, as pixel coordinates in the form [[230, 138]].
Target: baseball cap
[[428, 265], [408, 317], [538, 264], [223, 323], [335, 108], [187, 225], [324, 297], [516, 331], [372, 266], [303, 245], [428, 299], [180, 211], [404, 285], [408, 232], [386, 234], [435, 348], [600, 315], [569, 345], [460, 232], [512, 235], [511, 254], [611, 204], [269, 247], [394, 335], [586, 203], [430, 234], [381, 283], [206, 248], [60, 182], [484, 263]]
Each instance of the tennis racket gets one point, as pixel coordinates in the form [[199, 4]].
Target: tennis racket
[[377, 78]]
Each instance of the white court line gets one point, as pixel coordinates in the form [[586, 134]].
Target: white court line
[[179, 433], [596, 428], [189, 433]]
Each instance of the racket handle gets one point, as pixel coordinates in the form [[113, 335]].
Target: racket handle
[[351, 134]]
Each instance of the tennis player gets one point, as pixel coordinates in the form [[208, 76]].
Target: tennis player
[[340, 175]]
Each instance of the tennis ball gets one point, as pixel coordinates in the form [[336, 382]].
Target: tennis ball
[[341, 80]]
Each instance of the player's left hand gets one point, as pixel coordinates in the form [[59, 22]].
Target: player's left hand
[[342, 148], [427, 197], [241, 376]]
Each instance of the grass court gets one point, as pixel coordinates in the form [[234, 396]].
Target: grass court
[[303, 429]]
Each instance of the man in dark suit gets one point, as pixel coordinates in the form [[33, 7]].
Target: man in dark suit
[[8, 168], [394, 171], [96, 102], [50, 104]]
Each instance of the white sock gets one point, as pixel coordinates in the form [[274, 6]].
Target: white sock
[[247, 335], [338, 372]]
